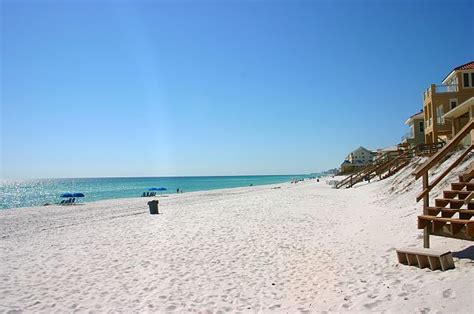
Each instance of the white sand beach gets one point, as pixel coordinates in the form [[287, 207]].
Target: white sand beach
[[301, 247]]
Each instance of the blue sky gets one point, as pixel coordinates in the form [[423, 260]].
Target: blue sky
[[159, 88]]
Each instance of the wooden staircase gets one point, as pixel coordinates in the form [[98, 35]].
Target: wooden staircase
[[453, 212], [389, 163], [396, 169], [371, 170]]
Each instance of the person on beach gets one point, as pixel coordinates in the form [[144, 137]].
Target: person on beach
[[177, 190]]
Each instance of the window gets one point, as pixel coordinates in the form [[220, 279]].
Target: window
[[439, 115], [421, 127], [454, 80], [466, 79], [453, 103], [453, 84]]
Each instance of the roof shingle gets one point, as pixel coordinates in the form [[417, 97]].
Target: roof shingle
[[466, 66]]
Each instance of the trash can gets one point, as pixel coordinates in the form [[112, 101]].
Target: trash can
[[153, 207]]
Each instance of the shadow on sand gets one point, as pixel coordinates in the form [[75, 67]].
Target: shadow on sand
[[467, 253]]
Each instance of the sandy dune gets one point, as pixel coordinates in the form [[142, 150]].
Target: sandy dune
[[302, 247]]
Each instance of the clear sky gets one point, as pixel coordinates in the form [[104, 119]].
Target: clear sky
[[154, 88]]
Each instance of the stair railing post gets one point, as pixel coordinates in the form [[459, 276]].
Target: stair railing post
[[351, 180], [426, 204]]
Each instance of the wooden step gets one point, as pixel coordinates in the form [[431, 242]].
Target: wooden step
[[453, 203], [425, 258], [467, 177], [458, 186], [452, 194], [455, 225], [449, 213]]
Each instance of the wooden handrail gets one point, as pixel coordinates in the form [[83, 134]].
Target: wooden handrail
[[445, 172], [383, 161], [343, 182], [389, 163], [352, 175], [380, 162], [421, 170], [468, 199], [360, 171], [403, 155]]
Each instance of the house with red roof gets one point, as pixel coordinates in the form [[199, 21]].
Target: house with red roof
[[457, 87]]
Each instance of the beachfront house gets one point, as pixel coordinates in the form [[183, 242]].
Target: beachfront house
[[459, 117], [357, 159], [392, 150], [416, 135], [458, 86]]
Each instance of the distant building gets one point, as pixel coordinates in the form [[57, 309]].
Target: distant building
[[416, 135], [356, 159], [458, 87]]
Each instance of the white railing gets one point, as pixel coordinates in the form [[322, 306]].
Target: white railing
[[453, 88], [446, 88], [408, 135]]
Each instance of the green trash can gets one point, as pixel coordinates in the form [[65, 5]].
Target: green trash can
[[153, 207]]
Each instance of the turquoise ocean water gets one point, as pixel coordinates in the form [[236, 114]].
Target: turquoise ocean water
[[39, 192]]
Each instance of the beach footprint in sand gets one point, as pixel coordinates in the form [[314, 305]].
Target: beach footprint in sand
[[274, 307], [448, 294], [371, 306]]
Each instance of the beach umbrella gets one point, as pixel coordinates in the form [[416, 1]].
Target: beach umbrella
[[161, 189], [78, 195], [154, 189], [66, 195]]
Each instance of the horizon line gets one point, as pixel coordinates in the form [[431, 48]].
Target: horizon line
[[167, 176]]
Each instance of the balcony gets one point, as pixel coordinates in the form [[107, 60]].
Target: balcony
[[438, 89]]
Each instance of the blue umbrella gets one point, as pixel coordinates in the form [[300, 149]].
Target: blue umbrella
[[66, 195], [154, 189], [161, 189], [78, 195]]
